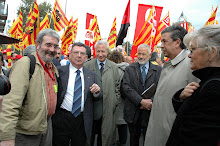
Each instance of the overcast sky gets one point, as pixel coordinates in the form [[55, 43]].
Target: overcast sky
[[196, 11]]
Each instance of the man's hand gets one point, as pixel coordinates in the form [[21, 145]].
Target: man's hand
[[95, 88], [188, 90], [1, 99], [146, 104], [7, 143]]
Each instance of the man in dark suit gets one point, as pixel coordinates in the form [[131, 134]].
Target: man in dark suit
[[138, 77], [73, 118]]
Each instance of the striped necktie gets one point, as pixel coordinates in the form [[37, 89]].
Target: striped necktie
[[77, 95]]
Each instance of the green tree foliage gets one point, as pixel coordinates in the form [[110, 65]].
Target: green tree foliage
[[44, 8]]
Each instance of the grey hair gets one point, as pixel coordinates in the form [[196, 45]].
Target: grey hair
[[29, 49], [47, 32], [145, 46], [103, 42], [208, 37], [188, 37]]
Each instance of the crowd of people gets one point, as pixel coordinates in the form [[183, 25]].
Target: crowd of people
[[79, 100]]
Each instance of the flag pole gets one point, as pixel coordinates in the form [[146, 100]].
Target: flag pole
[[127, 40]]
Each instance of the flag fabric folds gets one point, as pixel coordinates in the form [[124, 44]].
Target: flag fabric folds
[[165, 22], [45, 23], [112, 36], [124, 25], [9, 55], [211, 19], [184, 25], [16, 31], [59, 17], [145, 35], [67, 37], [33, 28], [75, 27], [95, 28]]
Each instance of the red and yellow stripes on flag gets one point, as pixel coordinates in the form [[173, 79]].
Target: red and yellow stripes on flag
[[95, 28], [45, 23], [9, 55], [165, 22], [144, 37], [67, 37], [33, 28], [75, 27], [1, 48], [59, 17], [16, 31], [211, 19], [112, 36]]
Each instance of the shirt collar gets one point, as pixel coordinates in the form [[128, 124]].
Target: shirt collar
[[75, 69], [98, 62]]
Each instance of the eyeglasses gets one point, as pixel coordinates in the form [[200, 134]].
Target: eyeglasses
[[78, 52], [50, 45]]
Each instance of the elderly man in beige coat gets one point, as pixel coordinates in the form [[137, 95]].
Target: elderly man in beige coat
[[107, 77], [176, 74]]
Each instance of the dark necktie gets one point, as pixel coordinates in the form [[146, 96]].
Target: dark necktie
[[143, 73], [102, 68], [77, 95]]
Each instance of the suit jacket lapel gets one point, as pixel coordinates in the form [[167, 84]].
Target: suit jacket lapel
[[138, 71], [86, 83], [64, 79]]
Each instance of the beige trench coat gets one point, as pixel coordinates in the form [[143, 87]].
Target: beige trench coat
[[175, 75]]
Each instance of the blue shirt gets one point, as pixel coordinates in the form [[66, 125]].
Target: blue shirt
[[146, 67], [98, 62]]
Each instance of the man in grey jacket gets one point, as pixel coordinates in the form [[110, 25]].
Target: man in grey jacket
[[175, 75]]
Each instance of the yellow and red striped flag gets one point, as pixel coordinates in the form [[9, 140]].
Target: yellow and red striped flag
[[59, 17], [34, 27], [1, 48], [112, 36], [75, 27], [145, 36], [16, 31], [211, 19], [67, 37], [9, 55], [27, 26], [45, 23], [95, 28], [165, 22]]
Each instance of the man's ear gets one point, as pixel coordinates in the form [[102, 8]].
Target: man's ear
[[37, 44], [178, 42]]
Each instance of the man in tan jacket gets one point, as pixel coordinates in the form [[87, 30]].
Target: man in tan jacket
[[25, 119], [176, 74]]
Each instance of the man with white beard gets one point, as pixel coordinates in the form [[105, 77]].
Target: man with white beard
[[137, 78]]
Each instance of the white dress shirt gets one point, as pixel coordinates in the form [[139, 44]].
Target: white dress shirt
[[68, 98]]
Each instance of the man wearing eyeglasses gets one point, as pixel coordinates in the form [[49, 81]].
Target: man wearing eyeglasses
[[26, 114], [175, 75], [72, 122]]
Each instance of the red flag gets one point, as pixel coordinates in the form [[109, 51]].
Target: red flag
[[165, 22], [142, 15], [124, 25], [148, 30]]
